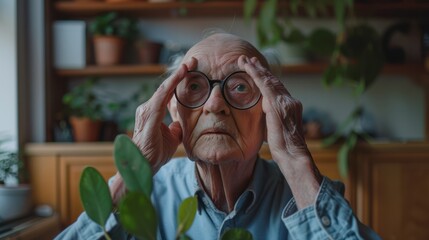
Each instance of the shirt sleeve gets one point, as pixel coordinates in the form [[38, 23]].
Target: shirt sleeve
[[85, 229], [329, 218]]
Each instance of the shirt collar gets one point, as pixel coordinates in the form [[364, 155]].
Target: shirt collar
[[248, 198]]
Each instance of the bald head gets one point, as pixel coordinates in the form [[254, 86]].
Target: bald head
[[222, 48]]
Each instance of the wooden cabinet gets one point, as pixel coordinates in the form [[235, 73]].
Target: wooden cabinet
[[71, 168], [388, 185], [394, 190], [56, 169]]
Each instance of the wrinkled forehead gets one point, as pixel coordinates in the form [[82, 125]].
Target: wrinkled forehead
[[220, 53]]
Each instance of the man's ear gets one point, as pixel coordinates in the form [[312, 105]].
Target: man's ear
[[172, 108]]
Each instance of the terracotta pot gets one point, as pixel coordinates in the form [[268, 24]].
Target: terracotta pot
[[85, 129], [149, 51], [108, 50]]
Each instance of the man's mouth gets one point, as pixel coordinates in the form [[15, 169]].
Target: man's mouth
[[214, 131]]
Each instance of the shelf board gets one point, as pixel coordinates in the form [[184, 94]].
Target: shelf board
[[410, 70], [120, 70], [145, 9]]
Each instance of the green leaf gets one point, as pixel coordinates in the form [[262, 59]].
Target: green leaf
[[340, 11], [329, 75], [237, 234], [342, 160], [132, 165], [342, 128], [95, 196], [138, 216], [322, 41], [249, 8], [294, 4], [186, 215], [343, 153], [268, 28], [295, 36], [360, 88]]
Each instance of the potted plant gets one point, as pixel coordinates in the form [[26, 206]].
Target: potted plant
[[126, 109], [149, 51], [84, 111], [15, 197], [110, 31]]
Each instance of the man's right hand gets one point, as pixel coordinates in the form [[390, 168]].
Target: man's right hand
[[157, 141]]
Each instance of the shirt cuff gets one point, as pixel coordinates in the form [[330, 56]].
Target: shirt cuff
[[329, 218]]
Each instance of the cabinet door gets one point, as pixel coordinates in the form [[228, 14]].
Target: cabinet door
[[71, 168], [398, 204]]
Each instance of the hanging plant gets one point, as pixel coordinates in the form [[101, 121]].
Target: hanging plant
[[354, 53]]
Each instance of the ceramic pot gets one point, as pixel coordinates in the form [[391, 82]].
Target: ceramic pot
[[85, 129], [108, 50], [15, 202], [149, 51]]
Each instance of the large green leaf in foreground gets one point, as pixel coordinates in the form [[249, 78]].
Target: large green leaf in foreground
[[133, 166], [138, 216], [186, 215], [95, 196], [237, 234]]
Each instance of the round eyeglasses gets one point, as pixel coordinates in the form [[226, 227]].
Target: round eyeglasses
[[238, 89]]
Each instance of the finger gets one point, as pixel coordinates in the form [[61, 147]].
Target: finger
[[166, 90], [269, 85], [176, 131]]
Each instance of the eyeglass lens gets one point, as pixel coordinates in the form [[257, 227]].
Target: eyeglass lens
[[239, 90]]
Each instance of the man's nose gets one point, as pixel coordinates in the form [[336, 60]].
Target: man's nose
[[216, 103]]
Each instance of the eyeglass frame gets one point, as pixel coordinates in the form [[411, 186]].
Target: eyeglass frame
[[212, 83]]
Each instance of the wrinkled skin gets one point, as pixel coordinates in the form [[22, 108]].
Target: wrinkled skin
[[223, 141]]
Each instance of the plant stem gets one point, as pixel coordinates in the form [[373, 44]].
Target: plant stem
[[106, 235]]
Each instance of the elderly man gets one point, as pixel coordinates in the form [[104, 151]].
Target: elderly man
[[228, 104]]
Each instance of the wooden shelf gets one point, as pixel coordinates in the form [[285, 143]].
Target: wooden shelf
[[404, 8], [149, 10], [409, 70], [145, 9], [120, 70]]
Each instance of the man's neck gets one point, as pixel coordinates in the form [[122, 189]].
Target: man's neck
[[224, 183]]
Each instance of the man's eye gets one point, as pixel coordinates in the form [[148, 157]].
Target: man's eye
[[241, 87], [194, 86]]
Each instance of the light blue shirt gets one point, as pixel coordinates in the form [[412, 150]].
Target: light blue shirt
[[267, 209]]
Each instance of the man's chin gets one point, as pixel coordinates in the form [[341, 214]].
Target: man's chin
[[215, 151]]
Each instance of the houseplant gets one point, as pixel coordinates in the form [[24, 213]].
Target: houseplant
[[126, 109], [15, 198], [137, 214], [110, 31], [84, 111], [354, 54], [149, 51]]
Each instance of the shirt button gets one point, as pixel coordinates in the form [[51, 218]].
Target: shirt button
[[326, 221]]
